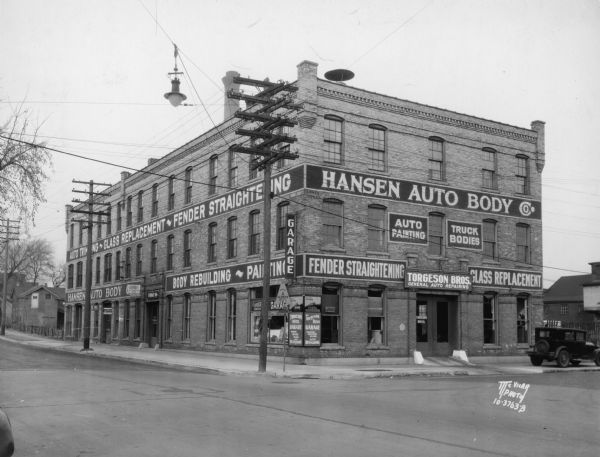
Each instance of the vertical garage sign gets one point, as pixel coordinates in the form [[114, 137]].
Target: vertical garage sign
[[290, 246]]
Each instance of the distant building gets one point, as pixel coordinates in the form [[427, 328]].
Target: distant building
[[39, 309], [14, 282], [574, 301], [414, 228]]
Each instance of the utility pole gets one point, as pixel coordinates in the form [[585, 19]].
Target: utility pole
[[261, 111], [89, 223], [10, 232]]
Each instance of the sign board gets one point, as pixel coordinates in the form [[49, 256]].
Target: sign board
[[312, 329], [464, 235], [152, 295], [131, 290], [282, 301], [332, 266], [290, 246], [437, 280], [404, 228], [512, 279], [295, 323]]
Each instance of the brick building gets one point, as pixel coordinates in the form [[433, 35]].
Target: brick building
[[415, 228]]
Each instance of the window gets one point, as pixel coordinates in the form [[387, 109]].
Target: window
[[80, 233], [564, 310], [254, 233], [187, 317], [119, 216], [333, 223], [490, 331], [139, 251], [232, 178], [330, 314], [436, 234], [522, 174], [282, 212], [333, 139], [283, 148], [212, 175], [375, 316], [169, 318], [154, 200], [489, 239], [107, 267], [129, 212], [170, 251], [99, 227], [126, 307], [211, 331], [108, 220], [118, 266], [72, 235], [115, 323], [188, 185], [211, 255], [128, 263], [70, 277], [79, 281], [276, 322], [523, 243], [98, 270], [522, 320], [140, 206], [232, 237], [436, 159], [377, 148], [231, 315], [375, 228], [153, 256], [171, 192], [137, 328], [422, 322], [489, 173], [187, 248]]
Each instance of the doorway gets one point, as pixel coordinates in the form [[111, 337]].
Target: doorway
[[78, 322], [106, 328], [437, 328], [152, 323]]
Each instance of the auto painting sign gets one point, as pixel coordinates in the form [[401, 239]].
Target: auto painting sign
[[346, 182], [404, 228]]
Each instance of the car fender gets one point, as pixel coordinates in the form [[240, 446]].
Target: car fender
[[558, 349]]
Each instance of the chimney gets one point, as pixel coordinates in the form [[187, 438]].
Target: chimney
[[540, 128], [231, 105], [307, 93], [595, 269], [124, 176]]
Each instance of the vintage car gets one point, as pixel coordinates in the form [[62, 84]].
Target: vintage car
[[565, 345]]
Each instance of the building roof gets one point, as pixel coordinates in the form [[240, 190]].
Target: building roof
[[567, 289], [58, 292]]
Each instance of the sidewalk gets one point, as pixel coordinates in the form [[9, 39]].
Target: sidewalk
[[238, 364]]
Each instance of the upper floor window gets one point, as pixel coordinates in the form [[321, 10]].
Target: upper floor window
[[108, 220], [79, 282], [437, 159], [187, 248], [212, 175], [170, 251], [436, 234], [72, 235], [333, 213], [232, 178], [283, 148], [128, 263], [232, 237], [333, 139], [129, 212], [377, 147], [154, 200], [70, 277], [107, 267], [118, 266], [489, 239], [188, 185], [171, 192], [99, 227], [80, 233], [254, 233], [98, 270], [140, 206], [523, 243], [138, 259], [212, 242], [522, 174], [489, 172], [154, 256], [282, 212], [376, 228], [119, 216]]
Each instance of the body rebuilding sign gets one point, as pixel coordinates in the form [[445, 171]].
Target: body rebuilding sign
[[346, 182]]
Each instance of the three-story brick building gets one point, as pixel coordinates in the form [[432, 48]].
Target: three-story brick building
[[413, 228]]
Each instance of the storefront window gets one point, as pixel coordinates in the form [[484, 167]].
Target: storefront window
[[522, 320], [211, 331], [490, 329], [277, 329], [116, 320], [126, 319], [421, 322], [330, 314], [137, 332], [375, 315], [231, 315], [169, 317]]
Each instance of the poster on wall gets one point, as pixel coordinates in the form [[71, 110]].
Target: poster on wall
[[295, 329], [312, 329]]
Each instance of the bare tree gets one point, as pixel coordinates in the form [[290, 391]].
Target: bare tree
[[58, 275], [23, 167], [40, 263]]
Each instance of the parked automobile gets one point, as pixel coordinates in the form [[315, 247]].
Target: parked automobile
[[565, 345]]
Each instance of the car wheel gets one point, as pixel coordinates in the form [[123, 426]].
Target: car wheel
[[563, 358], [597, 358], [536, 361], [542, 346]]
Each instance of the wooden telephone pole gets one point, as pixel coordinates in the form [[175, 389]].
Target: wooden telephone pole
[[89, 223], [274, 97], [9, 230]]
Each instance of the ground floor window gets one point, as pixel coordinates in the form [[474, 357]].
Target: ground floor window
[[422, 322], [231, 315], [126, 319], [169, 317], [137, 329], [490, 323], [522, 320], [116, 320], [211, 331], [96, 321], [330, 314], [187, 317], [375, 316], [276, 323], [69, 320]]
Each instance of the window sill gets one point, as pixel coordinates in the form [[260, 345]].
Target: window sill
[[379, 253]]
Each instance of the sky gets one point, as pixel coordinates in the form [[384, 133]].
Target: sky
[[91, 75]]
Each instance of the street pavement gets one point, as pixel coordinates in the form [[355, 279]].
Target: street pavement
[[239, 364]]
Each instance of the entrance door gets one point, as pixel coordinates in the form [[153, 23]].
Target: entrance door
[[106, 328], [152, 324], [78, 323], [436, 325]]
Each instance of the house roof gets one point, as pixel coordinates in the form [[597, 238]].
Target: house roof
[[567, 289], [58, 292]]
